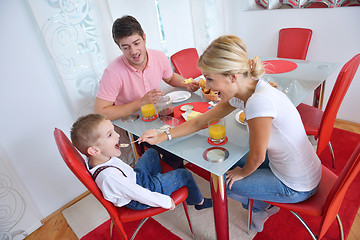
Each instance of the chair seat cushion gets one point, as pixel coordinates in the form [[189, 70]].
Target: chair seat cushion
[[313, 206], [311, 118]]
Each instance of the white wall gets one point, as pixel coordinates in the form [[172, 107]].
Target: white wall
[[32, 104], [336, 38]]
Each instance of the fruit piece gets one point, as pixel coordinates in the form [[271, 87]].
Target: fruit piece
[[187, 81], [242, 117]]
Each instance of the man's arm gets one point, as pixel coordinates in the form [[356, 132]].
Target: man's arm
[[118, 111], [177, 81]]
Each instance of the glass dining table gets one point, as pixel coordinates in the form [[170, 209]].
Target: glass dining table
[[297, 84]]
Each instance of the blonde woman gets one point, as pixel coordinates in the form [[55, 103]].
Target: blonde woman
[[281, 165]]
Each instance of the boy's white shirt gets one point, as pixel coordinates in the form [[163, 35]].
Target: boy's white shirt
[[120, 190]]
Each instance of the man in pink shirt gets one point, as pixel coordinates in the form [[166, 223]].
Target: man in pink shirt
[[134, 77]]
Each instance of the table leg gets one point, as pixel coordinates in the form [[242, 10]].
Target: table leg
[[218, 193], [319, 96]]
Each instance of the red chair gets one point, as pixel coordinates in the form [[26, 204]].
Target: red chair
[[321, 123], [318, 4], [118, 215], [185, 63], [348, 3], [326, 202], [294, 43]]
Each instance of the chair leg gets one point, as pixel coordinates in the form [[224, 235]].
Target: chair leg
[[332, 154], [304, 224], [138, 228], [188, 218], [341, 229], [250, 207]]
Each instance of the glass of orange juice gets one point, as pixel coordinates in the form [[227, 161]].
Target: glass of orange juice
[[217, 130], [148, 111]]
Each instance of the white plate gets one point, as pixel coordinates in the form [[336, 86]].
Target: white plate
[[179, 96], [237, 118]]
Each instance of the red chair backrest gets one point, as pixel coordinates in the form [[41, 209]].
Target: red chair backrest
[[338, 191], [294, 43], [338, 92], [76, 163], [185, 63]]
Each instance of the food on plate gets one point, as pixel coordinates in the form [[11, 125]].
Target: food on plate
[[208, 93], [187, 81], [242, 117], [193, 114], [202, 83], [273, 84]]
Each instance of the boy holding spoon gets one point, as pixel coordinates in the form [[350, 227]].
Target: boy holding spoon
[[138, 188]]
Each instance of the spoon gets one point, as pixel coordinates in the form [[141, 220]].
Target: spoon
[[127, 144]]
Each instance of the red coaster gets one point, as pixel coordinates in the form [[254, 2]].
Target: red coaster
[[218, 144], [278, 66], [150, 120]]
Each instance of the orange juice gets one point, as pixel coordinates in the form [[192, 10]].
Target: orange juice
[[148, 110], [217, 132]]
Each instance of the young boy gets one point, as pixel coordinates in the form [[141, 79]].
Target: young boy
[[139, 188]]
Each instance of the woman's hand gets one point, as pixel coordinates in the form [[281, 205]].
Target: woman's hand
[[233, 176], [150, 136]]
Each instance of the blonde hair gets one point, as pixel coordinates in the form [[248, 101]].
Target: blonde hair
[[84, 132], [228, 55]]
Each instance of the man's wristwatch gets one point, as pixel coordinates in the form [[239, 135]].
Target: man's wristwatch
[[168, 134]]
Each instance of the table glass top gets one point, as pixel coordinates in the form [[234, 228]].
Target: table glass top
[[296, 84]]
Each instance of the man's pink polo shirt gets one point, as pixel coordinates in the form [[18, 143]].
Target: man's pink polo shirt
[[122, 83]]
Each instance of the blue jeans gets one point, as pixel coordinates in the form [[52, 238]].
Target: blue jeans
[[262, 184], [149, 175]]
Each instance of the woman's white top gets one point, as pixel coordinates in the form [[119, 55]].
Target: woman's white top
[[120, 190], [292, 158]]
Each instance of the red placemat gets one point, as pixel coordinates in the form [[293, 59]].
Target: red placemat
[[198, 106], [278, 66]]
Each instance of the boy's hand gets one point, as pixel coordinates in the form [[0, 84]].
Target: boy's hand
[[172, 205]]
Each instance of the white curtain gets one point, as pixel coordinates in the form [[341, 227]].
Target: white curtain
[[74, 32], [208, 21]]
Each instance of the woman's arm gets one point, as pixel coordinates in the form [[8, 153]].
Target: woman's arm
[[259, 135], [221, 110]]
